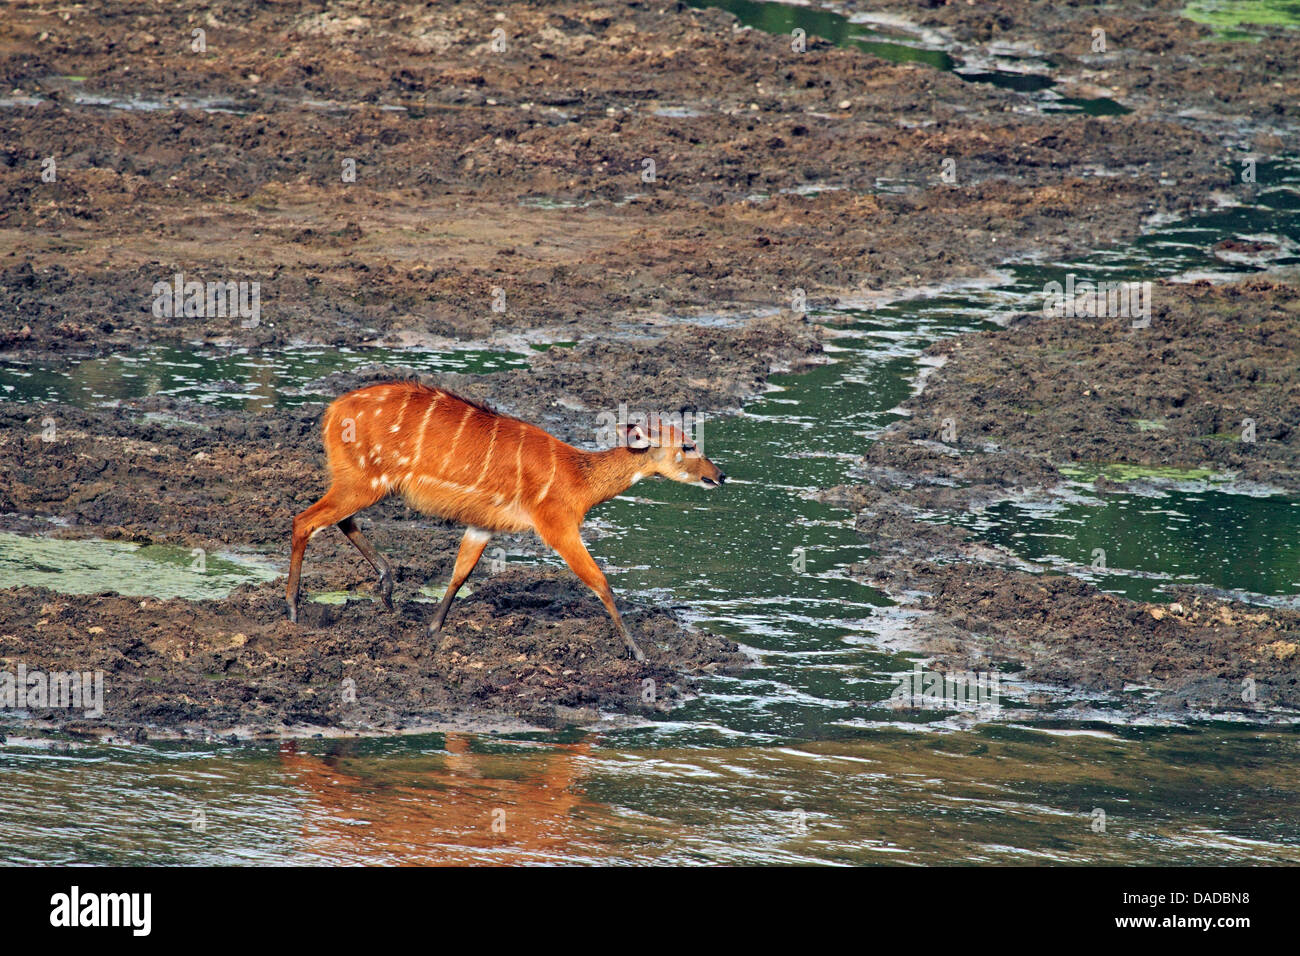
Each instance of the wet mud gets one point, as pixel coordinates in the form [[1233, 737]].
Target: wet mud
[[529, 647], [519, 179]]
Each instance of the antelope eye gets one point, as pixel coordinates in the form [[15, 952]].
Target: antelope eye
[[688, 448]]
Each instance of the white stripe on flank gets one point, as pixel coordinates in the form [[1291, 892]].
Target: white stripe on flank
[[424, 427], [397, 426], [547, 487], [487, 459], [469, 410], [519, 463]]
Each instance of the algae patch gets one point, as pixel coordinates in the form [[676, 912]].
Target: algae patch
[[92, 566], [1121, 472]]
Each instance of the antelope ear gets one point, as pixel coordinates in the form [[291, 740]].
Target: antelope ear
[[634, 437]]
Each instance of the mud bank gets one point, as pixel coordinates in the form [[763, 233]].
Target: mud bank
[[1048, 393], [528, 647], [1198, 655], [1182, 393], [519, 178]]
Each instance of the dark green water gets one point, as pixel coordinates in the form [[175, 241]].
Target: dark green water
[[783, 19], [1146, 542]]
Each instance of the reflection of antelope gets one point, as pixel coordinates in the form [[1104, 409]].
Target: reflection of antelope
[[444, 814], [458, 459]]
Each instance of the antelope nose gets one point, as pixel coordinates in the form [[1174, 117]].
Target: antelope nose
[[722, 479]]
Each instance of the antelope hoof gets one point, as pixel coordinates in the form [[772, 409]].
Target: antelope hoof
[[634, 651], [386, 592]]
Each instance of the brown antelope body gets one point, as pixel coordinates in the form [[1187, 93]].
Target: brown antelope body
[[460, 460]]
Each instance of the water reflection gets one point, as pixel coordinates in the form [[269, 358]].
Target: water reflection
[[458, 806], [997, 794]]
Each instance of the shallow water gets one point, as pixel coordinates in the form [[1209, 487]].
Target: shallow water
[[1140, 542], [998, 794], [227, 378], [1011, 73]]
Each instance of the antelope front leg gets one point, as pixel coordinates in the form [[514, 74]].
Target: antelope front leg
[[568, 545]]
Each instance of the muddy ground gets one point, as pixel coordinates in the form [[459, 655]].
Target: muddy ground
[[528, 647], [1052, 392], [519, 175], [462, 153]]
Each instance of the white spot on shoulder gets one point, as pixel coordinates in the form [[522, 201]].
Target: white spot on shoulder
[[374, 482], [395, 428], [361, 460]]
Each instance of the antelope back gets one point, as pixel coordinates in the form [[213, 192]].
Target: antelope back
[[446, 455]]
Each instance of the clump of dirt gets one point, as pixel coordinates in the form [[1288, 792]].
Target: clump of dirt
[[1212, 383], [528, 645]]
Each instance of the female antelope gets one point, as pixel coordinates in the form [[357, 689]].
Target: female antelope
[[458, 459]]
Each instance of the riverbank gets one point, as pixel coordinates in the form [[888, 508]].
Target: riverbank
[[1008, 414], [525, 649]]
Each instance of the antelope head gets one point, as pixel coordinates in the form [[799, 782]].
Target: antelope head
[[665, 451]]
